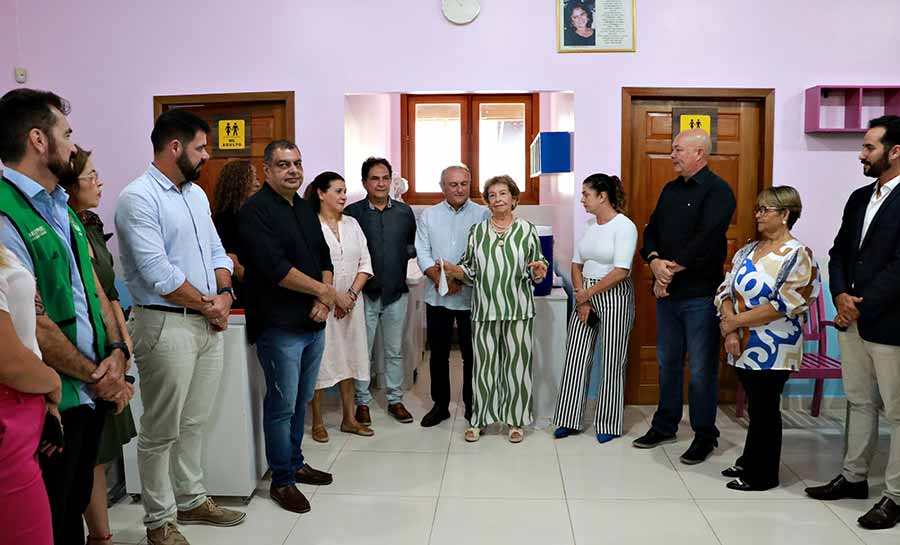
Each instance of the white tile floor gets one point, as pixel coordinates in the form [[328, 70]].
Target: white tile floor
[[409, 485]]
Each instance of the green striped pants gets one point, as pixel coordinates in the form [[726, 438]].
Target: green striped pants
[[502, 381]]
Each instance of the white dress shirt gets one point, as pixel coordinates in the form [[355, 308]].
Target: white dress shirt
[[878, 198]]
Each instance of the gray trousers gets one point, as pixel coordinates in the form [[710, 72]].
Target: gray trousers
[[180, 362], [871, 374]]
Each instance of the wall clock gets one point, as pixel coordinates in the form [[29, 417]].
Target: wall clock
[[461, 12]]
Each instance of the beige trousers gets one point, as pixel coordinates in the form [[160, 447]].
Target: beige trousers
[[871, 374], [179, 359]]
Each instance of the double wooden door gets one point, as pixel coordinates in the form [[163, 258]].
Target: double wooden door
[[742, 157]]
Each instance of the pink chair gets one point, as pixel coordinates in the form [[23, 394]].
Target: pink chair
[[815, 365]]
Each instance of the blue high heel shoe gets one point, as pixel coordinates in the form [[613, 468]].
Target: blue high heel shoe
[[563, 432], [605, 437]]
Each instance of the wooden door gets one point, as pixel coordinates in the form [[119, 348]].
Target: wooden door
[[742, 158], [271, 118]]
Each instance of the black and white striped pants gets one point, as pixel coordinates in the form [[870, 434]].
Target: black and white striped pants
[[615, 308]]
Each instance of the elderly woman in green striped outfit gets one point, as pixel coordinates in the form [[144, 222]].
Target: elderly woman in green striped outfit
[[502, 260]]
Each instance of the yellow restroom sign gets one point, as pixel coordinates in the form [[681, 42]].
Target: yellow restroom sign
[[232, 134], [705, 119], [696, 121]]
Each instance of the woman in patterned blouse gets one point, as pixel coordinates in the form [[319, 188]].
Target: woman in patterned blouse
[[762, 304], [502, 260]]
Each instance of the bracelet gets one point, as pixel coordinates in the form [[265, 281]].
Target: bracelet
[[353, 294], [651, 258]]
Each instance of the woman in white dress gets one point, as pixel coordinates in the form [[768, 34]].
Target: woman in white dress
[[346, 356]]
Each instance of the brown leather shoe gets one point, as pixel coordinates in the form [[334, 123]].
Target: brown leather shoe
[[399, 412], [314, 477], [289, 498], [363, 416], [319, 434], [358, 429]]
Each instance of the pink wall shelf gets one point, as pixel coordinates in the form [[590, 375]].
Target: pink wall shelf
[[848, 108]]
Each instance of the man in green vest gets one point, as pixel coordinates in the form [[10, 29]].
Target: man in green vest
[[76, 330]]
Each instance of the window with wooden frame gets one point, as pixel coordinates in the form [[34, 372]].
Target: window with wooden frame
[[491, 134]]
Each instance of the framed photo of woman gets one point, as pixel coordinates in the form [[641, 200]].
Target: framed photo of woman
[[595, 26]]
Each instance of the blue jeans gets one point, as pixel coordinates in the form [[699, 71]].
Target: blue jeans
[[392, 318], [290, 361], [687, 326]]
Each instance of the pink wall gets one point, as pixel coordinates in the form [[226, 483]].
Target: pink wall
[[110, 57], [9, 49]]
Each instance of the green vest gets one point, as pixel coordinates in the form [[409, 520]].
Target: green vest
[[53, 276]]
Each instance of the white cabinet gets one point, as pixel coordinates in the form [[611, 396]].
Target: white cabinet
[[549, 353]]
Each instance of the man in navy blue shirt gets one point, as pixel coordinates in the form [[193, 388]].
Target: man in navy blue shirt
[[390, 229]]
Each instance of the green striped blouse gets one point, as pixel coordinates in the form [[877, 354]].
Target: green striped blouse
[[497, 267]]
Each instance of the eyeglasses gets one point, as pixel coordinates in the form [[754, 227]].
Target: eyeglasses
[[93, 177], [763, 210]]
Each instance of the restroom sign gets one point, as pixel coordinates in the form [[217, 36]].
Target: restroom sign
[[232, 134], [705, 119], [695, 121]]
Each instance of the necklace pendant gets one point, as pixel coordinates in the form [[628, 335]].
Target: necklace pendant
[[502, 242]]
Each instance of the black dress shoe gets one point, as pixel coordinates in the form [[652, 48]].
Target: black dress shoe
[[885, 514], [435, 416], [699, 451], [310, 476], [744, 486], [839, 488], [739, 484], [652, 439], [733, 471]]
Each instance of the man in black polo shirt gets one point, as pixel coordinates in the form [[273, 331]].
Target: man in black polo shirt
[[390, 229], [685, 245], [288, 292]]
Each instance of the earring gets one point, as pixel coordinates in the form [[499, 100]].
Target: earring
[[783, 222]]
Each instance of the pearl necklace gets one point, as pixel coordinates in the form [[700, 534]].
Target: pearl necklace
[[501, 232]]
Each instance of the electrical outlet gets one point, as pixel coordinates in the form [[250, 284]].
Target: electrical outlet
[[21, 75]]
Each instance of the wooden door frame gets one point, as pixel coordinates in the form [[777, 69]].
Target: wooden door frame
[[286, 97], [765, 97]]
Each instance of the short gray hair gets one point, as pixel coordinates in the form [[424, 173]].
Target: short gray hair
[[460, 166]]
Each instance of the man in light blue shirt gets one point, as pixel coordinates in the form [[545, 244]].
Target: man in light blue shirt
[[442, 233], [180, 280]]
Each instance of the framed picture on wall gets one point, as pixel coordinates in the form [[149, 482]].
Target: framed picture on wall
[[595, 26]]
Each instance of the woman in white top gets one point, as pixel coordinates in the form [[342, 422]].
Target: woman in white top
[[346, 356], [28, 390], [604, 299]]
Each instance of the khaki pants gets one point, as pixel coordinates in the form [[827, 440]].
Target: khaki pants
[[180, 364], [871, 381]]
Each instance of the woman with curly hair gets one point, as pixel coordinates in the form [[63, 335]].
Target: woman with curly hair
[[236, 183]]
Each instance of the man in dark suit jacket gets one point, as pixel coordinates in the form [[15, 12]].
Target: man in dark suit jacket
[[865, 284]]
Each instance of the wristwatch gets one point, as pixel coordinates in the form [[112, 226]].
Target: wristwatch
[[120, 346], [229, 291], [651, 258]]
